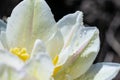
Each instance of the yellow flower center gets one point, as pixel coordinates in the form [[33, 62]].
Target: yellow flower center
[[21, 53], [57, 68]]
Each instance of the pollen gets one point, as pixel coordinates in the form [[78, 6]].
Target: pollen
[[21, 53]]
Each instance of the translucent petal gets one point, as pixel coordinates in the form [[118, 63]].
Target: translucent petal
[[69, 25], [1, 46], [101, 71], [8, 73], [39, 46], [55, 44], [81, 53], [43, 21], [2, 25], [31, 19], [40, 67], [4, 40], [20, 24], [10, 60]]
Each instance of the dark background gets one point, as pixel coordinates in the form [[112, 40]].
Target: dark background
[[105, 14]]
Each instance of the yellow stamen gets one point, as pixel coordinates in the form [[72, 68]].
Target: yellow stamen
[[24, 57], [55, 60], [21, 53], [56, 69]]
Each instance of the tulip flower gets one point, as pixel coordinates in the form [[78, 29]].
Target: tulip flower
[[36, 47]]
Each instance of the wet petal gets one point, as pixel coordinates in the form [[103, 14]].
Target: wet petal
[[69, 25], [84, 52], [81, 54], [101, 71]]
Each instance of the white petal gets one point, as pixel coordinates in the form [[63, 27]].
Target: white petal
[[39, 46], [85, 51], [3, 40], [101, 71], [69, 24], [83, 38], [40, 67], [81, 54], [64, 55], [7, 73], [10, 60], [55, 44], [2, 25], [30, 20], [20, 24], [43, 21], [1, 46], [2, 71]]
